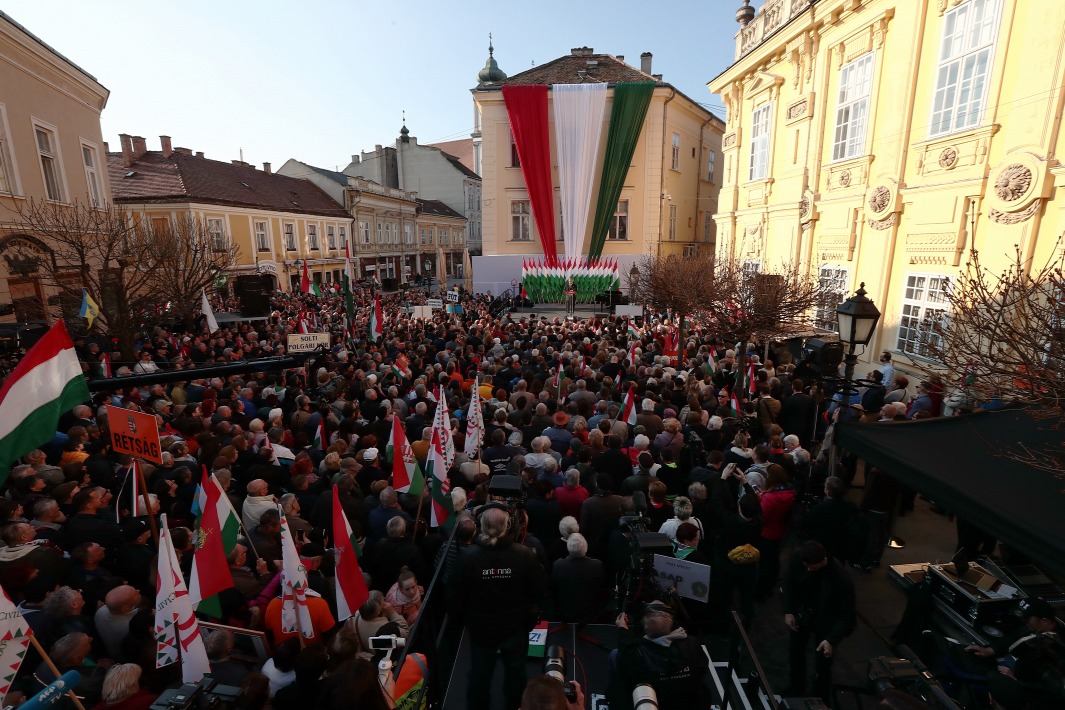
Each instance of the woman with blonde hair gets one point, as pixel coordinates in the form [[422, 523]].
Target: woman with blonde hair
[[405, 596], [122, 689]]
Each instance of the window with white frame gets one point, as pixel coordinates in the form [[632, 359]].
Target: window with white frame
[[217, 232], [852, 111], [262, 240], [312, 237], [444, 234], [7, 177], [408, 234], [290, 236], [380, 233], [364, 228], [710, 164], [46, 149], [708, 227], [751, 268], [619, 225], [924, 306], [343, 232], [965, 53], [459, 234], [520, 223], [423, 236], [515, 160], [760, 142], [690, 251], [672, 223], [675, 152], [430, 236], [833, 282], [92, 175], [331, 236]]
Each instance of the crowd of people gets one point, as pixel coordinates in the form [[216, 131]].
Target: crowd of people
[[728, 488]]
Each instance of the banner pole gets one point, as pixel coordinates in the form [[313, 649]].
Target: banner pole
[[51, 666], [147, 505]]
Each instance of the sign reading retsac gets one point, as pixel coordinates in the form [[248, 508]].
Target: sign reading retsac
[[134, 433]]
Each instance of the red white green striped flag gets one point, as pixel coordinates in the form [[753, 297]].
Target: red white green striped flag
[[377, 325], [751, 379], [629, 410], [216, 536], [46, 384], [443, 508], [351, 587], [734, 405], [320, 440], [406, 474]]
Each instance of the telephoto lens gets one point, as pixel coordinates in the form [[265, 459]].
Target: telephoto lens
[[644, 697], [554, 667]]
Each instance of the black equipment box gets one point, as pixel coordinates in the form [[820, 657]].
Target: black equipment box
[[972, 594]]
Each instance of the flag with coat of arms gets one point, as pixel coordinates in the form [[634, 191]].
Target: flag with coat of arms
[[14, 640]]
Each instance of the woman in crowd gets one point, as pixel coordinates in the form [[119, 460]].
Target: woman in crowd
[[405, 596]]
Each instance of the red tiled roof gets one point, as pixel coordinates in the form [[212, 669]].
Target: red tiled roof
[[460, 149], [436, 207], [183, 178], [564, 70]]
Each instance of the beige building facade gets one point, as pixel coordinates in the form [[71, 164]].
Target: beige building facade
[[51, 149], [879, 141]]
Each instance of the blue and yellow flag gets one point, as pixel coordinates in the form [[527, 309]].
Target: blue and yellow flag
[[89, 309]]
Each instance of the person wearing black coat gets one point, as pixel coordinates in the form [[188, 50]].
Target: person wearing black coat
[[828, 521], [578, 583], [797, 413]]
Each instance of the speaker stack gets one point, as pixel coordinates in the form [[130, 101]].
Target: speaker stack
[[253, 292]]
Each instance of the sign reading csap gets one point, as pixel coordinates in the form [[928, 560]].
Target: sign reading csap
[[134, 433]]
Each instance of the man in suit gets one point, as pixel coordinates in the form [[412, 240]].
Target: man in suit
[[797, 413]]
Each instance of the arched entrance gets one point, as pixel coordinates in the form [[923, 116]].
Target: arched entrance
[[24, 262]]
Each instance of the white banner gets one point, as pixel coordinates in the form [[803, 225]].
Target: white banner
[[691, 579], [436, 303], [308, 342], [579, 111]]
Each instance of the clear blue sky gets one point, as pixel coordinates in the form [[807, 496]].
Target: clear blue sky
[[320, 80]]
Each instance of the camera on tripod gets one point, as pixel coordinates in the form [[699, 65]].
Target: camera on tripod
[[554, 667]]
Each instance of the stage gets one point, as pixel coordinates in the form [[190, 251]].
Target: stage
[[558, 310]]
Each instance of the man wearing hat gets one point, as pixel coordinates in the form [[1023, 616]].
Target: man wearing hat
[[1029, 664], [665, 657], [557, 432], [370, 471]]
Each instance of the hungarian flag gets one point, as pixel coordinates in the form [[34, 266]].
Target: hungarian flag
[[216, 536], [402, 367], [443, 509], [295, 614], [474, 423], [351, 587], [406, 474], [105, 365], [671, 346], [734, 405], [377, 326], [175, 622], [14, 641], [305, 281], [46, 384], [320, 440], [628, 412], [711, 363], [752, 387], [633, 331], [558, 378], [442, 423]]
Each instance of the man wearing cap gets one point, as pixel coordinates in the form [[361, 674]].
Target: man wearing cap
[[1029, 664], [666, 658], [369, 471]]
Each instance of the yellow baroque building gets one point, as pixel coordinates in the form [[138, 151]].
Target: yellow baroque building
[[879, 141]]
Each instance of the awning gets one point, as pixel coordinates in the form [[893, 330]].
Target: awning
[[963, 463]]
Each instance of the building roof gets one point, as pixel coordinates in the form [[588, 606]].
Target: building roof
[[437, 208], [187, 178], [578, 69], [331, 174], [461, 151], [44, 44]]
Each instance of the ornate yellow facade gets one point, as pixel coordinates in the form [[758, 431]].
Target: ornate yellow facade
[[879, 141]]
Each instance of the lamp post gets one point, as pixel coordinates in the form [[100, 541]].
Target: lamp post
[[857, 318], [634, 278], [428, 265]]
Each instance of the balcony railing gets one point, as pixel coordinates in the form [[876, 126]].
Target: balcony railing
[[771, 17]]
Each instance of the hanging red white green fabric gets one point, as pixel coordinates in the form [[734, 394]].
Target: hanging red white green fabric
[[527, 111]]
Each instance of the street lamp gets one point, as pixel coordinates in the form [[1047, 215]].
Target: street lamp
[[428, 265], [634, 277], [857, 320]]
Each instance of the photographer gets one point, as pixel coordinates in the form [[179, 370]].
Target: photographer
[[496, 591], [666, 658]]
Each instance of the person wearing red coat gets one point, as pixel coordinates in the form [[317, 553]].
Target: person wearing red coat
[[571, 495], [777, 502]]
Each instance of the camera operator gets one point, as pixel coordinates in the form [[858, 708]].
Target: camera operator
[[496, 592], [666, 658], [1030, 666]]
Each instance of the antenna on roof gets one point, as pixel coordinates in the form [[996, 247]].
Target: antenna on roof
[[242, 155]]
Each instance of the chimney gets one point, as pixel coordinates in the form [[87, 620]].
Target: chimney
[[266, 169], [620, 57], [140, 146], [645, 62], [183, 151], [199, 154], [656, 77], [107, 147], [127, 149], [582, 51], [168, 149]]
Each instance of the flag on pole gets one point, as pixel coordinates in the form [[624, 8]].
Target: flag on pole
[[305, 280], [752, 388], [348, 280], [46, 384], [633, 331], [137, 505], [558, 379], [210, 568], [105, 365], [295, 614], [89, 309], [628, 414], [443, 508], [406, 474], [442, 423], [711, 363], [734, 405], [14, 641], [205, 306], [176, 631], [377, 328], [474, 423], [320, 441], [350, 586]]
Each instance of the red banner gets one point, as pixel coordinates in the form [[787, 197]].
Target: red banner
[[134, 433], [527, 110]]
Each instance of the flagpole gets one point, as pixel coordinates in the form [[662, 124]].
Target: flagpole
[[147, 506], [51, 666], [418, 515]]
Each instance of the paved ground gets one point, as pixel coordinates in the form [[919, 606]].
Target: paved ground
[[929, 538]]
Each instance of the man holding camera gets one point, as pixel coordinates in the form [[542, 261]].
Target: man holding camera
[[665, 658], [496, 591]]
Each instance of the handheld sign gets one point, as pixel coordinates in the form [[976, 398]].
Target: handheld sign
[[452, 296], [308, 342], [436, 303], [134, 433], [691, 579]]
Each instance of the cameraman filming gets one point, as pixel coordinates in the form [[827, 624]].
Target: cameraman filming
[[496, 591], [666, 658]]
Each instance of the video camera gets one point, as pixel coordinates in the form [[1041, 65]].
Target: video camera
[[911, 677], [387, 643], [205, 695]]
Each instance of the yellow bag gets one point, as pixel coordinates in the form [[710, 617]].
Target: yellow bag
[[744, 555]]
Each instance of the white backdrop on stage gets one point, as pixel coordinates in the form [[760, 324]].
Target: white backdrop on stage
[[494, 273]]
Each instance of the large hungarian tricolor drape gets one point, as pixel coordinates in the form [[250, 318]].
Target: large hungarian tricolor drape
[[631, 100], [578, 110], [527, 111]]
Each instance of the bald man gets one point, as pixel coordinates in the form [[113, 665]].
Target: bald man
[[258, 502], [112, 619]]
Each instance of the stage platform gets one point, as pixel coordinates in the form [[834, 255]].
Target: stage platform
[[558, 310]]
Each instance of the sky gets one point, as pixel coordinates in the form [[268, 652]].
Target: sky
[[320, 80]]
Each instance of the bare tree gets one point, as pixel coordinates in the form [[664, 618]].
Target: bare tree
[[1003, 340]]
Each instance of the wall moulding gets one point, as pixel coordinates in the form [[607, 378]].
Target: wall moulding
[[954, 152], [801, 109]]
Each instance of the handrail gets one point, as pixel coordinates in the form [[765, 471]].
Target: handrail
[[733, 663]]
